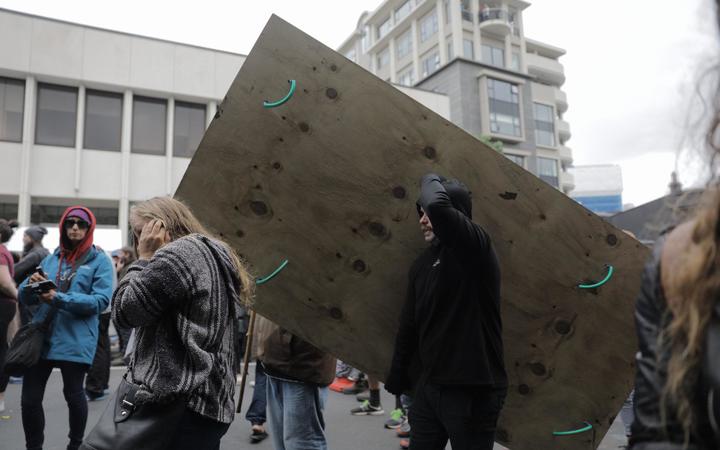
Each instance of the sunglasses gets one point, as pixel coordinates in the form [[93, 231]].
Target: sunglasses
[[69, 223]]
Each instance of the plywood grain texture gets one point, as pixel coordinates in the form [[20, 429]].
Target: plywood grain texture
[[329, 181]]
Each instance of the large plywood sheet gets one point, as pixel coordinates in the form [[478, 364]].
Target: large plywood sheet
[[329, 181]]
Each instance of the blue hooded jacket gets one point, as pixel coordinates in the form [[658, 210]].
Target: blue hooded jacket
[[74, 331]]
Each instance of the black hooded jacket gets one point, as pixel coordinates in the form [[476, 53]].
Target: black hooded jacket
[[451, 323]]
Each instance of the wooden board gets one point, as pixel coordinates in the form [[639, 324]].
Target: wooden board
[[329, 181]]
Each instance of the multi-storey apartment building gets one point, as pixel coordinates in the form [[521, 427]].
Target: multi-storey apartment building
[[500, 84]]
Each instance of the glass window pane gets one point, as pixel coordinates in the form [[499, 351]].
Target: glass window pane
[[404, 44], [548, 171], [12, 102], [428, 26], [517, 159], [383, 58], [189, 128], [51, 214], [504, 102], [384, 28], [8, 211], [402, 11], [56, 115], [468, 50], [148, 126], [544, 124], [103, 120]]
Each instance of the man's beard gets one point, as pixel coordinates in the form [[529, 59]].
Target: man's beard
[[27, 248]]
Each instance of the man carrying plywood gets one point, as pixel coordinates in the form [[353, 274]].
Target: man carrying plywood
[[451, 322]]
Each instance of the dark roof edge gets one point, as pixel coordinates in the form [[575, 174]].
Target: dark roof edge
[[479, 64]]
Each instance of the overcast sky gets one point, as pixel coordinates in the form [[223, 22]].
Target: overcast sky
[[631, 67]]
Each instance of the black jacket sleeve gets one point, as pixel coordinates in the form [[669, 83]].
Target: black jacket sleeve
[[453, 228], [26, 266], [406, 341]]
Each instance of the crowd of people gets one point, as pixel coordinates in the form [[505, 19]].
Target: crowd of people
[[178, 298]]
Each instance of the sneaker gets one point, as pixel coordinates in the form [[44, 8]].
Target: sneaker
[[404, 430], [15, 380], [357, 387], [366, 409], [397, 418], [340, 383], [363, 397], [92, 397], [258, 434], [404, 444]]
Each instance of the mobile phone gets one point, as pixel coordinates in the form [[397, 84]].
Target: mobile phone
[[40, 271], [42, 286]]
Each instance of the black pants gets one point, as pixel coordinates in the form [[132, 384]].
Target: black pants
[[197, 432], [98, 376], [465, 415], [7, 314], [33, 391]]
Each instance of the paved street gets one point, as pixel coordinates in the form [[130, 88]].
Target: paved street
[[345, 432]]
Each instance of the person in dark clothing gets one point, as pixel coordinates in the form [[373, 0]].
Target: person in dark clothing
[[33, 253], [451, 326]]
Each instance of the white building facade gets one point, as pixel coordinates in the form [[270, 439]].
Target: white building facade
[[500, 84]]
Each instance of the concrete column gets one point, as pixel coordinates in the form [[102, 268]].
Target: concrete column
[[210, 111], [477, 38], [508, 51], [415, 50], [393, 66], [444, 57], [79, 137], [457, 26], [169, 137], [523, 52], [125, 144], [26, 154]]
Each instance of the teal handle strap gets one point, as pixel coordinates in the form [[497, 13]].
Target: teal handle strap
[[283, 100], [601, 282], [588, 427], [264, 280]]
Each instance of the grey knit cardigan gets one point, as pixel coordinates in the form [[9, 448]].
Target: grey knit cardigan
[[182, 305]]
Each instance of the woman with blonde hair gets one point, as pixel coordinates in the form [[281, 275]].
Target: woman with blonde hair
[[677, 317], [182, 296]]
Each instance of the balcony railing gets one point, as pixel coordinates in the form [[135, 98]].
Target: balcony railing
[[494, 14], [496, 20], [466, 15]]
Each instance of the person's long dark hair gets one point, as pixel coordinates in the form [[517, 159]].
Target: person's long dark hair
[[696, 285]]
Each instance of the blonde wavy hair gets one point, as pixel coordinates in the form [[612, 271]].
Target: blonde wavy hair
[[180, 221]]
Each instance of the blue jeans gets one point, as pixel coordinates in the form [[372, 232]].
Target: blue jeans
[[257, 412], [295, 413]]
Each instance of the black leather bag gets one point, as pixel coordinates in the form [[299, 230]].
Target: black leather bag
[[125, 425], [27, 345]]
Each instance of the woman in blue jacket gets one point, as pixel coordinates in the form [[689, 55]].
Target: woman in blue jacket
[[83, 275]]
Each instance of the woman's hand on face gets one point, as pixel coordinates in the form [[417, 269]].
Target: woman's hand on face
[[152, 238]]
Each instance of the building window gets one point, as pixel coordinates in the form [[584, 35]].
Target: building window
[[383, 58], [8, 211], [517, 159], [148, 125], [351, 55], [446, 10], [504, 107], [403, 45], [548, 171], [402, 11], [407, 78], [515, 65], [384, 28], [56, 115], [51, 214], [12, 105], [544, 125], [468, 49], [493, 55], [450, 52], [188, 128], [428, 26], [466, 13], [103, 120], [365, 41], [430, 64]]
